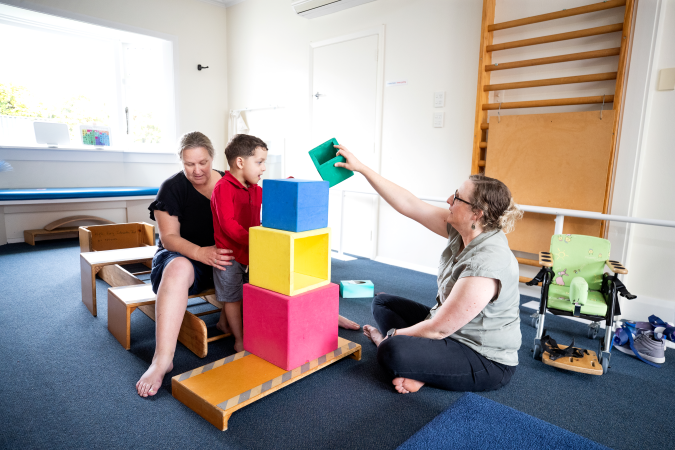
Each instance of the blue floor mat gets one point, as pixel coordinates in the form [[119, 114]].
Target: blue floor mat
[[474, 422]]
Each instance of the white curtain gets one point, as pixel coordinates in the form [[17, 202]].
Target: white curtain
[[237, 124]]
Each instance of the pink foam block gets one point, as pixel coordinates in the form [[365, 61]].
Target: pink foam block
[[290, 331]]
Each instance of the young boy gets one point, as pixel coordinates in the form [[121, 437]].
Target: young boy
[[235, 203]]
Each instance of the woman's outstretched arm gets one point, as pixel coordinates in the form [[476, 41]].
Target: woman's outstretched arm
[[399, 198]]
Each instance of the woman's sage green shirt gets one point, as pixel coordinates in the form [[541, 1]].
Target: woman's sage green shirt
[[495, 331]]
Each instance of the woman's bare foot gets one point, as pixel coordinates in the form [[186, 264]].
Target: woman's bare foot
[[347, 324], [406, 385], [238, 346], [151, 380], [373, 334]]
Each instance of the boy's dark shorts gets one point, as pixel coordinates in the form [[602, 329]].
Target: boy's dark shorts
[[203, 273], [230, 283]]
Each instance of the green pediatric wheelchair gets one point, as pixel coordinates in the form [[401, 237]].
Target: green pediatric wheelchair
[[573, 283]]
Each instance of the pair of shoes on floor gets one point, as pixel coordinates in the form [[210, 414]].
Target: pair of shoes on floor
[[645, 340], [646, 346]]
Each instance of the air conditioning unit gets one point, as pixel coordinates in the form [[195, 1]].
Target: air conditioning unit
[[316, 8]]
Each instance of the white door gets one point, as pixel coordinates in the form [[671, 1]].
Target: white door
[[344, 98]]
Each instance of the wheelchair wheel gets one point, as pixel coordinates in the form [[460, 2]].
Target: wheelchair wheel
[[534, 320], [536, 354], [592, 332], [603, 361]]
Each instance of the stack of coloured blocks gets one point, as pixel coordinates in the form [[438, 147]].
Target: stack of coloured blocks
[[290, 305]]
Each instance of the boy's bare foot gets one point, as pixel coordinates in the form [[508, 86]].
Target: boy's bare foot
[[373, 334], [238, 346], [151, 380], [347, 324], [406, 385]]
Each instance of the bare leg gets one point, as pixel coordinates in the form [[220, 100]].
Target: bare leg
[[170, 307], [234, 318], [347, 324], [222, 324], [402, 385]]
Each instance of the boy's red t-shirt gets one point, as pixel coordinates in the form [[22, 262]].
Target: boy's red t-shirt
[[235, 209]]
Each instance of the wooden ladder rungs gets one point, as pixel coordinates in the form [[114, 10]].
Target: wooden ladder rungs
[[554, 59], [557, 15], [556, 37], [551, 102], [552, 81]]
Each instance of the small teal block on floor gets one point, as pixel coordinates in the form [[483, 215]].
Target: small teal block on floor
[[295, 205], [356, 289]]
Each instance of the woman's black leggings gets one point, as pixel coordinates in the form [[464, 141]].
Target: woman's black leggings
[[444, 363]]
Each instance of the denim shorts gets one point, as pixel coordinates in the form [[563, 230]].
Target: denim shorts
[[230, 283], [203, 273]]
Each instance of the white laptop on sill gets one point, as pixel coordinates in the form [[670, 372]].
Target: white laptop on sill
[[51, 133]]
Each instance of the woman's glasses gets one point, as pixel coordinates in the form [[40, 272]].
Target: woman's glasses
[[456, 197]]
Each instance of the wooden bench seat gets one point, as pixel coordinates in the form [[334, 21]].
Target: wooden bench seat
[[93, 262], [124, 300]]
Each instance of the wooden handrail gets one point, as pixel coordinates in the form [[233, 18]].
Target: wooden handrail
[[556, 37], [552, 81], [557, 15], [552, 102], [555, 59], [528, 262]]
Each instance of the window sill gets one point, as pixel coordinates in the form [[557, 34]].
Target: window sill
[[44, 153]]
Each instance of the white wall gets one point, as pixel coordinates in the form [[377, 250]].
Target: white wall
[[426, 43], [433, 44], [650, 249]]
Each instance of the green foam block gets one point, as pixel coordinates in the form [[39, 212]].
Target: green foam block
[[324, 160]]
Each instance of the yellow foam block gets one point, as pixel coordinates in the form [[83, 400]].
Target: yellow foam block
[[287, 262]]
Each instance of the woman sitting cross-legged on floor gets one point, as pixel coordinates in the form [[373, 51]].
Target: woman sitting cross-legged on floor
[[469, 340]]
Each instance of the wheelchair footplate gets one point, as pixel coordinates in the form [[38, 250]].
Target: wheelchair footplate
[[587, 364]]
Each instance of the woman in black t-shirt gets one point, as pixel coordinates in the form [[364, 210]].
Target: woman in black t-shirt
[[182, 264]]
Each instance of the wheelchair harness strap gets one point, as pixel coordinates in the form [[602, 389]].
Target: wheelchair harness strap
[[555, 352]]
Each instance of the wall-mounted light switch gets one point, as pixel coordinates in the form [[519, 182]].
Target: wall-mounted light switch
[[439, 99], [666, 80], [439, 118]]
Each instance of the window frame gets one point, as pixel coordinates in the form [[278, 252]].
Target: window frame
[[114, 34]]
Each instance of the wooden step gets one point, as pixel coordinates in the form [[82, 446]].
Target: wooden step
[[220, 388]]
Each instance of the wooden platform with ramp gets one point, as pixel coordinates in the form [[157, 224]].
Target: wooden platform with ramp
[[218, 389]]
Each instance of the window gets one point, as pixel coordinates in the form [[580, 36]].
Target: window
[[61, 70]]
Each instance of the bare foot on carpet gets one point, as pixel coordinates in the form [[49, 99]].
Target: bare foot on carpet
[[238, 346], [347, 324], [406, 385], [373, 334], [151, 380]]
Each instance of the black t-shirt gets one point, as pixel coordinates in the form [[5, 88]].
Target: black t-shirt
[[179, 198]]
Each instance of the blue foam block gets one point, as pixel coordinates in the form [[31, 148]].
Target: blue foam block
[[295, 205], [356, 289]]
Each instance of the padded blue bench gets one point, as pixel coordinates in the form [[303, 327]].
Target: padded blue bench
[[66, 193], [25, 201]]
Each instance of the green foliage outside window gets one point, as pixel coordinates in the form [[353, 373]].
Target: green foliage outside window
[[18, 101]]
